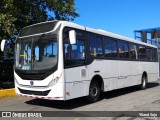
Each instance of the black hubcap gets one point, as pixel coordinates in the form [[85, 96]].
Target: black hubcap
[[93, 91]]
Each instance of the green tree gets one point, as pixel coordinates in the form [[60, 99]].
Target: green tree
[[16, 14]]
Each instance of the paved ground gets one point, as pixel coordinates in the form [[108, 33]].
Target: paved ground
[[127, 99]]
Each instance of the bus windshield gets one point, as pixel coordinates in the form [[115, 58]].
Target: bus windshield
[[36, 53]]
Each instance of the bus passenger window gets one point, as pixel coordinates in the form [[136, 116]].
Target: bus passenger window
[[142, 52], [154, 54], [95, 46], [110, 48], [123, 49], [133, 51], [149, 54]]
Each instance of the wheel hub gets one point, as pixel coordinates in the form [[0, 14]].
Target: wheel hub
[[94, 91]]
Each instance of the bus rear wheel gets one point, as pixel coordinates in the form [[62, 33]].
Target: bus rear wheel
[[94, 92], [144, 82]]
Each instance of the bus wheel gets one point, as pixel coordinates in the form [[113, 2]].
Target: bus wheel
[[144, 82], [94, 92]]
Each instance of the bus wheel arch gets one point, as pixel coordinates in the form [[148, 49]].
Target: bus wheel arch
[[100, 81], [144, 80], [95, 88]]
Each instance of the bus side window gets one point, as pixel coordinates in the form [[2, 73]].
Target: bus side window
[[74, 54], [154, 54], [133, 52], [123, 49], [110, 46], [95, 45], [149, 54], [142, 52]]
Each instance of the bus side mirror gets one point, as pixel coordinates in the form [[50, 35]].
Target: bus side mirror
[[72, 37], [3, 44]]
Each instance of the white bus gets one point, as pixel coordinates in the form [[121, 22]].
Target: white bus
[[60, 60]]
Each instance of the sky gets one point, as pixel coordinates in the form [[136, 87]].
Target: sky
[[118, 16]]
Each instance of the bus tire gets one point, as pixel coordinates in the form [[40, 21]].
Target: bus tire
[[144, 82], [94, 92]]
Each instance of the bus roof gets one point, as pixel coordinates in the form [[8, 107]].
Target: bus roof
[[97, 31], [105, 33]]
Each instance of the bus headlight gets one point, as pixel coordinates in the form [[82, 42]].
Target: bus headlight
[[54, 81]]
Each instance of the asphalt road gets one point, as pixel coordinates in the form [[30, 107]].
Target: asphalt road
[[126, 99]]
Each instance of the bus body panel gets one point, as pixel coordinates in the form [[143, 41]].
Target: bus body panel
[[56, 89], [54, 94], [115, 74], [119, 74], [76, 82], [77, 89]]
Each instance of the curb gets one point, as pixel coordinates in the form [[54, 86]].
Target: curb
[[7, 93]]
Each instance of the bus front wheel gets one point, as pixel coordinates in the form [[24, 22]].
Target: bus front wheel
[[94, 92]]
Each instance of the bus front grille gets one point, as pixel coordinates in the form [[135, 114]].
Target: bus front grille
[[29, 92]]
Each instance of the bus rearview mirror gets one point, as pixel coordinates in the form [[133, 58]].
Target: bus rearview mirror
[[3, 44], [72, 37]]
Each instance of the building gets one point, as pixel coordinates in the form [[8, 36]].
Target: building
[[151, 36]]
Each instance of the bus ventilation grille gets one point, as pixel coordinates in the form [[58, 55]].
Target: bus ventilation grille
[[83, 72], [29, 92]]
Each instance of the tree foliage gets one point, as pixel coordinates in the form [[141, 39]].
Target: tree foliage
[[16, 14]]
